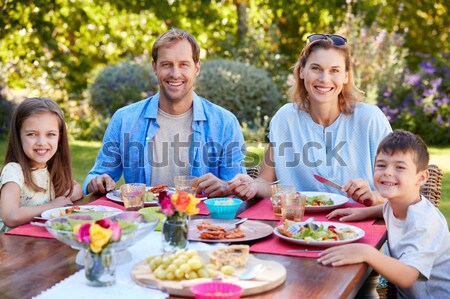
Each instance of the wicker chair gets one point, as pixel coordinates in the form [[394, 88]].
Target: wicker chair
[[431, 190], [253, 171]]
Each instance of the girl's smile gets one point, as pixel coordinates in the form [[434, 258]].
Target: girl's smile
[[39, 135]]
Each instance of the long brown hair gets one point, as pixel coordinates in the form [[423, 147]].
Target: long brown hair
[[59, 166], [349, 95]]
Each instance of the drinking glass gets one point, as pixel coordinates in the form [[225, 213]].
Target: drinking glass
[[280, 191], [133, 196], [186, 183]]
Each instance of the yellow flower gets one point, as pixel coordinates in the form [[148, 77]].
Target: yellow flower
[[191, 208], [99, 237]]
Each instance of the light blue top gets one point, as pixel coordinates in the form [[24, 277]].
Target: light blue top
[[342, 151], [218, 144], [421, 241]]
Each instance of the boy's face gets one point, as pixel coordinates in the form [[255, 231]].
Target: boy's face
[[396, 176]]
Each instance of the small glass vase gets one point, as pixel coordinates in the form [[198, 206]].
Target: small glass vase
[[175, 233], [100, 268]]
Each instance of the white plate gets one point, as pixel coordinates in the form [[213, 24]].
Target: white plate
[[58, 212], [359, 234], [339, 200], [110, 195]]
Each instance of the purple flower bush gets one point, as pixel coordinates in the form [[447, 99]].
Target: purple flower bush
[[421, 103]]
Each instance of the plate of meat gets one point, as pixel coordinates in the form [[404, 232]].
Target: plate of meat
[[222, 230]]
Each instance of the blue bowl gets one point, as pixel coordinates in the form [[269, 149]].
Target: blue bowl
[[223, 207]]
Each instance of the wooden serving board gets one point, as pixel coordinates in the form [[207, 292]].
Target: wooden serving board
[[273, 275]]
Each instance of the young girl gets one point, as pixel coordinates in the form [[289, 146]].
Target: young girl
[[37, 175]]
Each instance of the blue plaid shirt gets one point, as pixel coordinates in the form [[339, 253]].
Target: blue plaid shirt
[[217, 146]]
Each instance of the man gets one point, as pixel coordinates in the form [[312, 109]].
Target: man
[[174, 132]]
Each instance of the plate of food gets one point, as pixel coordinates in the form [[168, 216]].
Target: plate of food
[[222, 230], [151, 198], [323, 201], [321, 233], [58, 212], [188, 268]]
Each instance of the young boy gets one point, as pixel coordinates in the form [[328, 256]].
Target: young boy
[[418, 236]]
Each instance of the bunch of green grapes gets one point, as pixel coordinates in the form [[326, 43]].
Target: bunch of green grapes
[[180, 265]]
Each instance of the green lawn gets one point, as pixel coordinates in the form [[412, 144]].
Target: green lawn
[[84, 153]]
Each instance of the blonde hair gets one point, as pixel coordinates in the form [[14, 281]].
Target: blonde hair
[[170, 37], [349, 95]]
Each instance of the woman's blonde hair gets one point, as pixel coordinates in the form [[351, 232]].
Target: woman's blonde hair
[[59, 166], [349, 95]]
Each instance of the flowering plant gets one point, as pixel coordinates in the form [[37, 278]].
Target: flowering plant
[[178, 205], [98, 234]]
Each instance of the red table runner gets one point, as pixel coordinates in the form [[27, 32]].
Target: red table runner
[[41, 232]]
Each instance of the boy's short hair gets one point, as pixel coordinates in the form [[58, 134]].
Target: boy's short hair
[[404, 141]]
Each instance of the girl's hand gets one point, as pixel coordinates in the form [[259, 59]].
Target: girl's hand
[[61, 201], [240, 187]]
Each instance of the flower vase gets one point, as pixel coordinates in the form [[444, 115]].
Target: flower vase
[[100, 268], [174, 233]]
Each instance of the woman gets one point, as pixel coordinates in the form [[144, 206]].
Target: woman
[[326, 130]]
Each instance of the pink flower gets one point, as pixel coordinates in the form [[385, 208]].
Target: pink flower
[[82, 234], [167, 206], [105, 223], [116, 231]]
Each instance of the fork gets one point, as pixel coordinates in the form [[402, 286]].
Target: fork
[[295, 228], [263, 182]]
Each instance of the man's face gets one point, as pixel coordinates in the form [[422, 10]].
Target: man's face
[[176, 72]]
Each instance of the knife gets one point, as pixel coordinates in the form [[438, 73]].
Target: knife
[[327, 182]]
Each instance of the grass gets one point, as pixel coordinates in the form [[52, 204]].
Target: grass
[[84, 153]]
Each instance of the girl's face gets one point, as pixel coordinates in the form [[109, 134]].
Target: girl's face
[[40, 135], [324, 75], [396, 176]]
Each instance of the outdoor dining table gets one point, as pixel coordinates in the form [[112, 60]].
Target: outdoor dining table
[[30, 265]]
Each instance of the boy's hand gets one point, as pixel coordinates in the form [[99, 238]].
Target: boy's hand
[[345, 254], [101, 184], [349, 214]]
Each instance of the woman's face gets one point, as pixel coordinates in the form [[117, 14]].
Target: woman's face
[[324, 76]]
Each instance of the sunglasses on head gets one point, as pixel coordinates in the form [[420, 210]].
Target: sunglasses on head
[[336, 39]]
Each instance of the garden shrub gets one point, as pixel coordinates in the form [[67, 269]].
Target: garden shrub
[[6, 109], [239, 88], [119, 85], [421, 103]]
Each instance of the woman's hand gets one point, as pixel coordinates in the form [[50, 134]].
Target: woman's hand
[[240, 186], [359, 190]]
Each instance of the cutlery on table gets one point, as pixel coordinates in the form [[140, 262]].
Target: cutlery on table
[[38, 224], [235, 224], [263, 182], [295, 227], [252, 272], [303, 250], [327, 182]]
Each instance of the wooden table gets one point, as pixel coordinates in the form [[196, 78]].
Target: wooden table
[[31, 265]]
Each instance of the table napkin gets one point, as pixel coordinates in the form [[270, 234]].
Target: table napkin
[[203, 209], [41, 232], [75, 285], [276, 245]]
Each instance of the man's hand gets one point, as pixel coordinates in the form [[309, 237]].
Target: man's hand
[[212, 186], [241, 187], [101, 184]]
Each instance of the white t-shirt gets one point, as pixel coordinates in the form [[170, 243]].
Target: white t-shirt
[[171, 146], [12, 172], [422, 241]]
